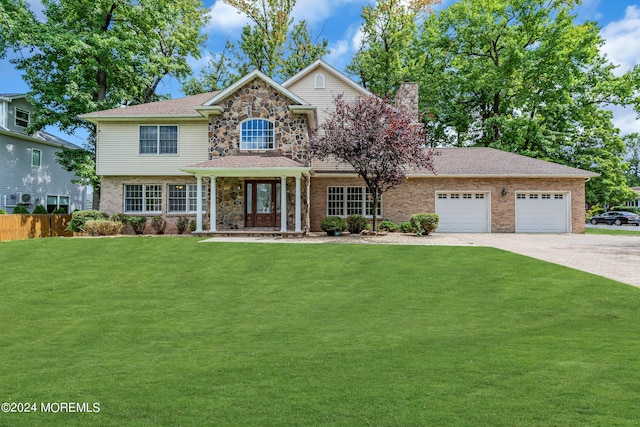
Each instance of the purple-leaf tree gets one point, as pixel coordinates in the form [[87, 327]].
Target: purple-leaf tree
[[380, 142]]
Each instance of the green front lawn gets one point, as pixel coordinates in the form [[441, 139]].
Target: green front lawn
[[170, 331], [625, 230]]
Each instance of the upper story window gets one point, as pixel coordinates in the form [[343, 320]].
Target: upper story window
[[22, 118], [155, 139], [318, 81], [36, 157], [256, 134]]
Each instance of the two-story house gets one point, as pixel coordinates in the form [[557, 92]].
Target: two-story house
[[29, 173], [239, 159]]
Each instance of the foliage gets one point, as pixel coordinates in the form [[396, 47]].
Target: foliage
[[388, 226], [522, 76], [192, 225], [356, 223], [82, 162], [20, 210], [624, 208], [3, 212], [138, 223], [217, 74], [424, 224], [79, 218], [593, 211], [40, 210], [406, 227], [103, 227], [632, 158], [159, 224], [181, 224], [379, 141], [120, 217], [384, 58], [60, 211], [332, 224]]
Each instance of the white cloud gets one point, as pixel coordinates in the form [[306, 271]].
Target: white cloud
[[625, 119], [225, 18], [621, 46]]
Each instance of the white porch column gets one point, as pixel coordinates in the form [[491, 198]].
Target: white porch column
[[213, 209], [283, 203], [298, 226], [199, 204]]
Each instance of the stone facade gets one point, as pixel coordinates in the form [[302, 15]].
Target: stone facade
[[257, 99], [418, 195]]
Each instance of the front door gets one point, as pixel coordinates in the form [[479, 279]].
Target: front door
[[262, 203]]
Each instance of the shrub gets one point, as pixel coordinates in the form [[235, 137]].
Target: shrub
[[20, 210], [40, 210], [60, 211], [595, 210], [626, 209], [333, 224], [406, 227], [356, 223], [120, 217], [192, 225], [102, 227], [3, 212], [388, 226], [78, 219], [424, 223], [138, 223], [181, 224], [159, 224]]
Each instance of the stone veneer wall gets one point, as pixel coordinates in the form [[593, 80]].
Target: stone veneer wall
[[418, 195], [257, 99]]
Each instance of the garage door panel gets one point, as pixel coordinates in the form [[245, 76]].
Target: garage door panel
[[463, 212], [542, 213]]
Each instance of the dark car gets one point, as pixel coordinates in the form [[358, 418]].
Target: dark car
[[617, 218]]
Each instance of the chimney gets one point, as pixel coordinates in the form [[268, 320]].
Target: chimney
[[407, 99]]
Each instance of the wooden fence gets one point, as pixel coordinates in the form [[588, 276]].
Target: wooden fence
[[20, 226]]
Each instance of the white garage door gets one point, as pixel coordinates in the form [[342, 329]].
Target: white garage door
[[542, 213], [463, 212]]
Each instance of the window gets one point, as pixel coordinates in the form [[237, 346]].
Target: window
[[521, 196], [22, 118], [158, 139], [466, 196], [546, 196], [318, 81], [36, 157], [533, 196], [479, 196], [442, 196], [345, 201], [57, 202], [558, 196], [256, 134], [183, 198], [143, 198]]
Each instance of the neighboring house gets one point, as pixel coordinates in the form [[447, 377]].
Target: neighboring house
[[635, 203], [29, 173], [239, 159]]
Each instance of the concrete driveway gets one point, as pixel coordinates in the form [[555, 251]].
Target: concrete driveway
[[614, 257]]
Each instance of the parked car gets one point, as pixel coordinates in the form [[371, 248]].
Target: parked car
[[617, 218]]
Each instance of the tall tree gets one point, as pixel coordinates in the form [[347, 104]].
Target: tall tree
[[378, 140], [632, 142], [384, 58], [216, 75], [14, 18], [522, 76], [88, 56]]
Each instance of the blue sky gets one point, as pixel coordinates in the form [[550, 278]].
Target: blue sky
[[339, 22]]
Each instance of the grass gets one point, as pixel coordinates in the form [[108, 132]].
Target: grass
[[169, 331], [630, 230]]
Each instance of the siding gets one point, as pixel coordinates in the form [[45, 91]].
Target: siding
[[11, 114], [118, 147], [17, 175]]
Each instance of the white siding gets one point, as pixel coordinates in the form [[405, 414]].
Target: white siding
[[118, 149]]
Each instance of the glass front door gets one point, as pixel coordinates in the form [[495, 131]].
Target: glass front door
[[262, 203]]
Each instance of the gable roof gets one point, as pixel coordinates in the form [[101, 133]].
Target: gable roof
[[474, 162], [11, 96], [327, 68], [176, 108]]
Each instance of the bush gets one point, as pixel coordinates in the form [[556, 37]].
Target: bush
[[103, 227], [20, 210], [356, 223], [192, 225], [159, 224], [388, 226], [333, 224], [138, 223], [3, 212], [424, 223], [40, 210], [406, 227], [78, 219], [120, 217], [181, 224], [60, 211], [626, 209], [595, 210]]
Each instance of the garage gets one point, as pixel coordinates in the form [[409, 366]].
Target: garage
[[542, 212], [463, 212]]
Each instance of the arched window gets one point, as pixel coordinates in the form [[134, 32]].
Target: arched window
[[256, 134], [319, 81]]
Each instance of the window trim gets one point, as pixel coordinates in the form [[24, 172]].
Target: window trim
[[187, 199], [33, 151], [144, 199], [323, 82], [344, 209], [158, 153], [15, 121], [252, 119]]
